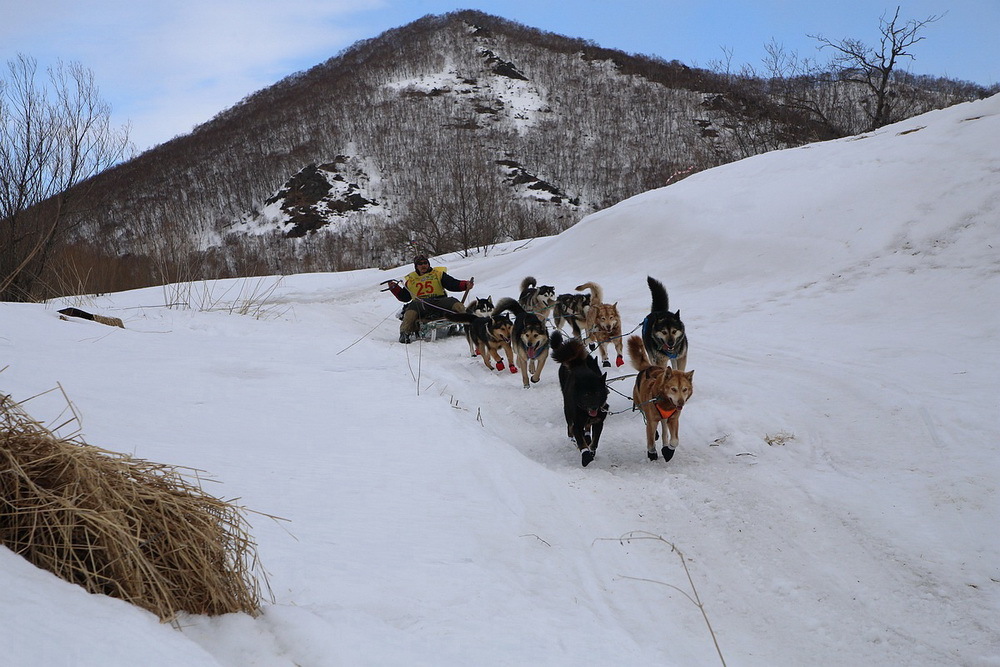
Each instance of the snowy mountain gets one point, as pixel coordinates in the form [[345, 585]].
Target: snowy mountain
[[456, 131], [834, 497]]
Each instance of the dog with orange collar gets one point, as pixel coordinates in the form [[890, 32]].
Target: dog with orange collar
[[660, 394]]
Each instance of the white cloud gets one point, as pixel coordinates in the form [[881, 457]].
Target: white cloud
[[173, 64]]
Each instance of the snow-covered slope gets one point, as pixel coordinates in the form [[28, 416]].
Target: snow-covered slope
[[834, 495]]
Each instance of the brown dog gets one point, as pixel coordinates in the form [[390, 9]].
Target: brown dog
[[604, 324], [660, 394]]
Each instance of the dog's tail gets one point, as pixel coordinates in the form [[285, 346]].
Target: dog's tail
[[510, 304], [660, 300], [567, 351], [637, 353], [528, 282], [596, 293]]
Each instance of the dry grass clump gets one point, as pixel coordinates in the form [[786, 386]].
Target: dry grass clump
[[121, 526]]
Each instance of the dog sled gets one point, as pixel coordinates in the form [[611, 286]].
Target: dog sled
[[432, 329]]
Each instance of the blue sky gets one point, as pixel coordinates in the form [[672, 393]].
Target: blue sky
[[169, 65]]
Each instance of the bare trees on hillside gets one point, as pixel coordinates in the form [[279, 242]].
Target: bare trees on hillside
[[860, 88], [873, 67], [466, 207], [53, 136]]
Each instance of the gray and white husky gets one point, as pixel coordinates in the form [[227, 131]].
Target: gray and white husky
[[537, 299], [571, 309]]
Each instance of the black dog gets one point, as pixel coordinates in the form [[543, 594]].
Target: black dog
[[663, 333], [482, 308], [585, 394]]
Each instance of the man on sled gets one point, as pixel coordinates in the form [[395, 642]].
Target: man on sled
[[424, 289]]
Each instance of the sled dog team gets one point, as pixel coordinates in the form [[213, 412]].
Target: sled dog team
[[517, 329]]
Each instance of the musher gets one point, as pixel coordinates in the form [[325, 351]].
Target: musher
[[424, 290]]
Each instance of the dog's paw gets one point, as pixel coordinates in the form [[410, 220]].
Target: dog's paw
[[667, 453], [619, 362], [606, 364], [499, 365], [535, 379], [513, 369], [652, 455], [586, 457]]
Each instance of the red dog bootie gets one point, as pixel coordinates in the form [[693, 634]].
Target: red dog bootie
[[619, 362], [513, 368], [500, 365]]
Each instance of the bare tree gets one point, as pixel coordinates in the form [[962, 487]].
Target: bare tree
[[53, 137], [873, 67]]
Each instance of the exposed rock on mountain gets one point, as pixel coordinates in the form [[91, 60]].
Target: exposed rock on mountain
[[314, 197]]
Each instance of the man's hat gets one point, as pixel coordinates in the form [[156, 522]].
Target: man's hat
[[420, 259]]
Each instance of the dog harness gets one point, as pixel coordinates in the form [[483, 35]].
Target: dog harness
[[533, 352], [665, 413]]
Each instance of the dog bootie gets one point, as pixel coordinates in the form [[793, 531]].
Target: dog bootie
[[619, 362], [404, 338], [500, 365], [586, 457], [667, 453]]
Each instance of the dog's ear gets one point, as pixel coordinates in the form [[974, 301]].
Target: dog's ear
[[678, 313], [689, 375], [605, 377]]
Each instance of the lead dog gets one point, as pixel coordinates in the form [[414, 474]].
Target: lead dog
[[585, 394], [660, 394], [663, 332], [529, 338], [604, 324]]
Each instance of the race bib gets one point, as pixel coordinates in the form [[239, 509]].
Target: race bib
[[427, 285]]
